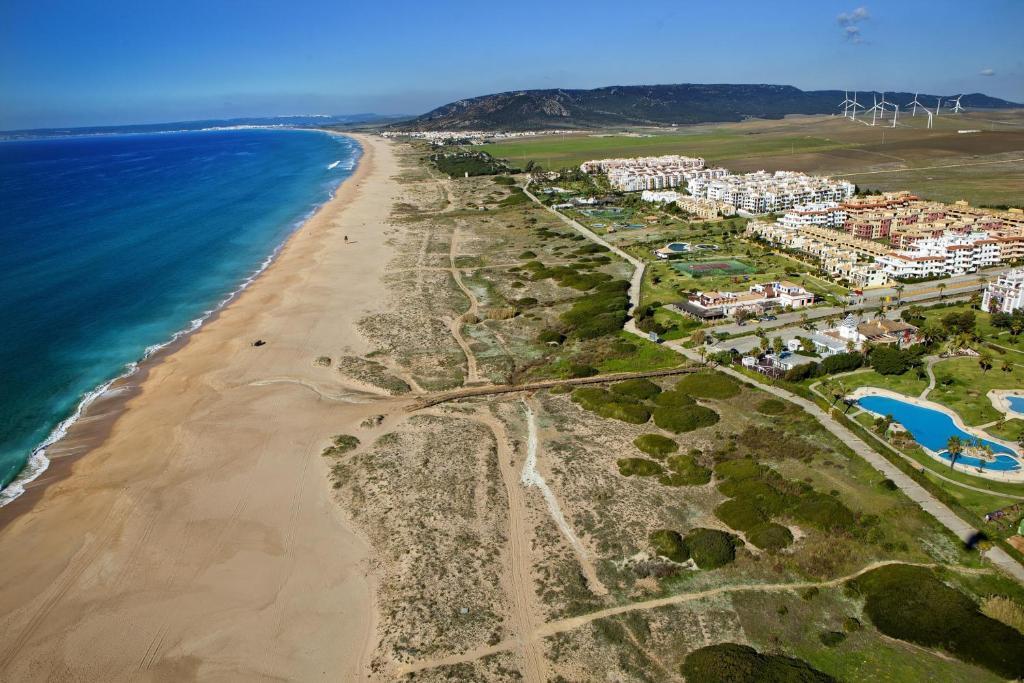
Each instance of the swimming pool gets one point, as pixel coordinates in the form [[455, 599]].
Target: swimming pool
[[932, 429], [678, 247], [1016, 404]]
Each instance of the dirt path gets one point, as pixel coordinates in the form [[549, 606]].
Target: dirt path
[[455, 325], [518, 579], [531, 476], [931, 376]]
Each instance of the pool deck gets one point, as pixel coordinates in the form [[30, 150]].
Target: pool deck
[[999, 397], [1013, 476]]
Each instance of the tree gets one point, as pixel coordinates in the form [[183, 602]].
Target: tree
[[954, 446], [699, 337], [777, 345], [741, 315], [888, 360], [899, 292], [942, 288], [764, 344], [985, 362], [1007, 367]]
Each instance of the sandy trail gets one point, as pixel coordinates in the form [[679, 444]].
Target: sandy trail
[[455, 325], [199, 539], [531, 476]]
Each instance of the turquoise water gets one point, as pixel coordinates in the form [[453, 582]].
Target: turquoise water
[[1016, 404], [932, 429], [112, 244]]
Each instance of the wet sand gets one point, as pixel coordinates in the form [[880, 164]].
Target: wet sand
[[186, 528]]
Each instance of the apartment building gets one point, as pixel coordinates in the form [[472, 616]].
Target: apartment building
[[1006, 294], [950, 254], [762, 192], [822, 214], [645, 173], [704, 208]]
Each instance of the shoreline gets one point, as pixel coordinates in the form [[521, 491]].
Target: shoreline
[[200, 537], [90, 405]]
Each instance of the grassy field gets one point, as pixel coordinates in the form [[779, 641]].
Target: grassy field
[[985, 167], [963, 386]]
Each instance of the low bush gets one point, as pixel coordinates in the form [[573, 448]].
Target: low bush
[[734, 663], [770, 536], [685, 471], [637, 388], [669, 544], [632, 413], [740, 514], [912, 604], [341, 444], [708, 385], [673, 399], [528, 254], [591, 398], [550, 336], [656, 445], [771, 406], [831, 638], [822, 511], [744, 468], [639, 467], [711, 548], [841, 362], [577, 370], [686, 419], [504, 180]]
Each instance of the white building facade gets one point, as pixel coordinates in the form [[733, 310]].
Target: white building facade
[[1006, 294]]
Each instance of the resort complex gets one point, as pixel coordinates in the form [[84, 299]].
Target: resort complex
[[646, 173], [763, 192], [757, 300], [1006, 294]]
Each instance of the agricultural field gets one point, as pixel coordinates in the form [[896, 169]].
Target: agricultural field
[[985, 167]]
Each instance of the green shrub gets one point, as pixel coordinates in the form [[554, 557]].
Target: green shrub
[[708, 385], [627, 412], [681, 420], [575, 370], [744, 468], [711, 548], [341, 444], [528, 254], [757, 494], [822, 511], [841, 362], [771, 406], [640, 467], [912, 604], [770, 536], [637, 388], [889, 360], [591, 398], [504, 180], [655, 445], [831, 638], [740, 514], [733, 663], [668, 543], [685, 471], [673, 399], [550, 336]]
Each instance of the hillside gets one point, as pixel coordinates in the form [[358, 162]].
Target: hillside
[[647, 104]]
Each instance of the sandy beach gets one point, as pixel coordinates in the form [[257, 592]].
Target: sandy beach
[[190, 533]]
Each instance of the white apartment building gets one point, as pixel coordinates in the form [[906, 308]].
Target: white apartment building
[[1006, 294], [822, 214], [950, 254], [645, 173], [763, 192], [660, 197]]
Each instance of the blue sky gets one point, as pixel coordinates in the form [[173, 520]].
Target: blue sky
[[65, 63]]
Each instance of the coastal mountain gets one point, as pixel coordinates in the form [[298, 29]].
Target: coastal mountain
[[650, 105]]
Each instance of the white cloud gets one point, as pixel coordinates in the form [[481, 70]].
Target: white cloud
[[988, 72], [851, 21]]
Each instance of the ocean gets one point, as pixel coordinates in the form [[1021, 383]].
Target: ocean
[[113, 245]]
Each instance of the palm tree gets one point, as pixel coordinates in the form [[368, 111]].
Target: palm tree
[[941, 287], [1006, 366], [985, 362], [899, 292], [954, 446]]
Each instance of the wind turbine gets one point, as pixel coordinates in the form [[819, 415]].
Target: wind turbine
[[916, 104], [874, 109], [938, 106], [853, 107], [956, 105], [845, 104]]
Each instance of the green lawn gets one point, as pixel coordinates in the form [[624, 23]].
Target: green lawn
[[1010, 430], [963, 386], [564, 151], [907, 384]]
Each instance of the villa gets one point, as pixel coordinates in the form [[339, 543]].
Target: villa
[[756, 300], [853, 334], [1006, 294]]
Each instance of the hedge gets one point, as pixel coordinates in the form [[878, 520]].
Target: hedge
[[680, 420], [708, 385], [668, 543], [640, 467], [656, 445], [734, 663], [711, 548], [912, 604]]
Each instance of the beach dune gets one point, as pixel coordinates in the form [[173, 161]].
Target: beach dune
[[191, 533]]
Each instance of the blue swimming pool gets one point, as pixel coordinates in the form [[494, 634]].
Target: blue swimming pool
[[1016, 404], [678, 247], [932, 429]]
